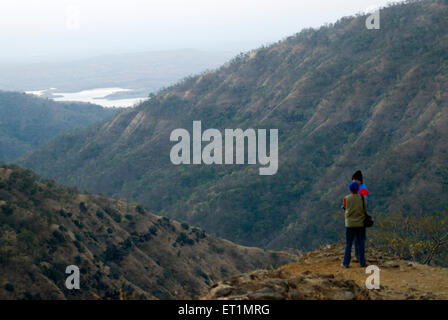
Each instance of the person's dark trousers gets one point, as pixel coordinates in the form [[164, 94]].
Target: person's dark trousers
[[358, 235], [356, 249]]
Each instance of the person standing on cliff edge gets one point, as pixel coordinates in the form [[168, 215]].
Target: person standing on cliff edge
[[355, 231]]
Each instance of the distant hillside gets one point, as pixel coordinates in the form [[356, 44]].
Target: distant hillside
[[343, 98], [27, 121], [122, 250]]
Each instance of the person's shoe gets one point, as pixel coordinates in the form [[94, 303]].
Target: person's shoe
[[344, 266], [363, 266]]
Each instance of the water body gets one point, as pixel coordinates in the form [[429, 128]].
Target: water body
[[96, 96]]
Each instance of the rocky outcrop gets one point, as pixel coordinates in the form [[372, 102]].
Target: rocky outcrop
[[318, 275], [281, 284]]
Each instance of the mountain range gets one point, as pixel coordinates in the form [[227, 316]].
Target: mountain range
[[343, 98]]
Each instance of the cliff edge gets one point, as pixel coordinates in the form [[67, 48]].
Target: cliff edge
[[318, 275]]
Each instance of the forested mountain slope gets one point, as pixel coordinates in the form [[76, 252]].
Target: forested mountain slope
[[123, 251], [27, 121], [343, 98]]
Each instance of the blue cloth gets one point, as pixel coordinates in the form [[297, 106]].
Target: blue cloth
[[354, 187], [357, 235], [361, 187]]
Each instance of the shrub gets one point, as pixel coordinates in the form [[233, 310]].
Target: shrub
[[9, 287], [185, 226], [59, 237], [63, 213], [83, 207], [114, 254], [203, 275], [7, 209], [153, 230], [54, 272], [140, 209], [200, 234], [27, 296], [78, 224], [78, 246], [183, 239]]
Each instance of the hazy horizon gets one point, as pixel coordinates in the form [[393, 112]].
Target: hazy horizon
[[50, 30]]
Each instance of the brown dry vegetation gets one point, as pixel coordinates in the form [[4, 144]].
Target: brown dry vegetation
[[122, 249]]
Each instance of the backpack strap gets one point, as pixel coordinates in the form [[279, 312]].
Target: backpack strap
[[363, 204]]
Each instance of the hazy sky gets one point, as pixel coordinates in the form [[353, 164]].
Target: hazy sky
[[32, 29]]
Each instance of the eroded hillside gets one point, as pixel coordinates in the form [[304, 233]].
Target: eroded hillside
[[122, 249]]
